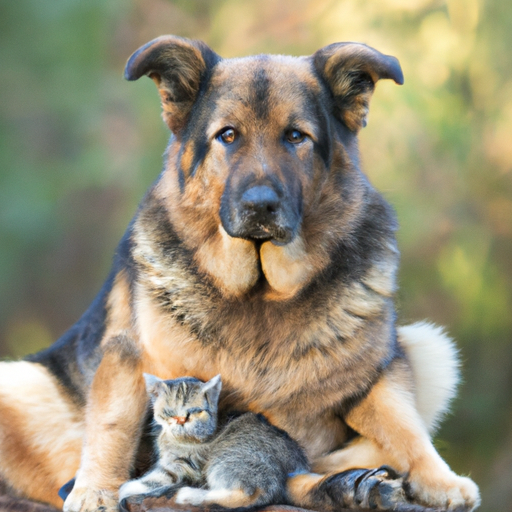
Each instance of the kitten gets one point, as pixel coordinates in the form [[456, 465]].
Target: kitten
[[246, 463]]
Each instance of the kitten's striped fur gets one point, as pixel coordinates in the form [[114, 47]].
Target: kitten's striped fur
[[246, 463]]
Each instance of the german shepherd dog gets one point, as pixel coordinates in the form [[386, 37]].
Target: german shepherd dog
[[261, 253]]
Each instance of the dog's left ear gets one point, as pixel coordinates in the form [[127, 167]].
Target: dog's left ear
[[351, 71], [179, 67]]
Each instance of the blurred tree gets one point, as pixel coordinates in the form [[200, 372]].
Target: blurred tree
[[79, 145]]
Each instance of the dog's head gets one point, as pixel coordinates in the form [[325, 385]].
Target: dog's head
[[261, 177]]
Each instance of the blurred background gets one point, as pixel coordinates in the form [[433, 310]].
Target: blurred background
[[79, 146]]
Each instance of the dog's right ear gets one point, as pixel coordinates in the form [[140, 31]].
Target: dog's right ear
[[351, 71], [179, 67]]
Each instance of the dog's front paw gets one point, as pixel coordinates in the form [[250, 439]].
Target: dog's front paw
[[451, 492], [82, 499], [380, 489]]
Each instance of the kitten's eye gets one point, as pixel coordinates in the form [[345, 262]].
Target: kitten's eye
[[294, 136], [198, 412], [227, 135]]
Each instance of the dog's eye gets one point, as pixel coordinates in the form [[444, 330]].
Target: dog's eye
[[294, 136], [227, 135]]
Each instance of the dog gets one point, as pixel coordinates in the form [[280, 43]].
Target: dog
[[261, 253]]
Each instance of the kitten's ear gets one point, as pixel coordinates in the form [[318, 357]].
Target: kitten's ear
[[153, 385], [212, 389]]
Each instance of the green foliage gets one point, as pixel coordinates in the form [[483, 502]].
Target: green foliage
[[79, 145]]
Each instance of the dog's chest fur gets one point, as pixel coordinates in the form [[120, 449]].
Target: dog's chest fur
[[278, 358]]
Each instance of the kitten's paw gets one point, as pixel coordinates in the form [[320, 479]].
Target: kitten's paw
[[132, 488], [380, 489], [82, 499], [450, 492], [190, 496]]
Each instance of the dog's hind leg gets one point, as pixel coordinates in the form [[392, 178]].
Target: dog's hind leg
[[114, 415], [388, 416], [41, 432], [376, 489], [396, 419]]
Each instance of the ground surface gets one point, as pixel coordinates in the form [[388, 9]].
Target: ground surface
[[10, 503]]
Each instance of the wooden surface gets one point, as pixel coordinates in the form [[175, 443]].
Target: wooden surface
[[11, 503], [164, 504], [14, 504]]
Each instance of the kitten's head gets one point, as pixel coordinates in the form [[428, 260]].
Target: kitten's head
[[185, 408]]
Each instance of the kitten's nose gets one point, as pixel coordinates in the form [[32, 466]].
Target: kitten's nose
[[181, 420]]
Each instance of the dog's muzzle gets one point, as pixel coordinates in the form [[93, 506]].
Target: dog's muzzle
[[260, 213]]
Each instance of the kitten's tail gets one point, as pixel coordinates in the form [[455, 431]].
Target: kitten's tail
[[229, 498]]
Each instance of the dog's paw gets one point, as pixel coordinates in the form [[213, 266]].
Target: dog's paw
[[380, 489], [88, 500], [452, 492]]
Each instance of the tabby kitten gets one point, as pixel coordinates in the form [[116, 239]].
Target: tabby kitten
[[246, 463]]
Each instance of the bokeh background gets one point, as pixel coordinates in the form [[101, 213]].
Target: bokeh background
[[79, 145]]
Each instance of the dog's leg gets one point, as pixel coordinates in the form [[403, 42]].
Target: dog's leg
[[360, 453], [114, 415], [376, 489], [388, 417], [41, 432]]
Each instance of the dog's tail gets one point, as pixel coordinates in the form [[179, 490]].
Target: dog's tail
[[435, 363]]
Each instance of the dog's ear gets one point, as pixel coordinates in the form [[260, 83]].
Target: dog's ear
[[179, 67], [351, 71]]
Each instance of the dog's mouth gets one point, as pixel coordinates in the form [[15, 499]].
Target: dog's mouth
[[260, 233], [262, 281], [277, 235]]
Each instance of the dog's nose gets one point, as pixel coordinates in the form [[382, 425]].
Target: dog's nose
[[260, 200]]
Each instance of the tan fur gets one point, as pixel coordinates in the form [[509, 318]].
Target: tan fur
[[119, 317], [166, 359], [115, 409], [299, 487], [361, 453], [40, 431], [434, 369], [230, 261], [389, 418], [287, 268]]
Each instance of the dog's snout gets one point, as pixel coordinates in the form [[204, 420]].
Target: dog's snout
[[260, 211], [260, 200]]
